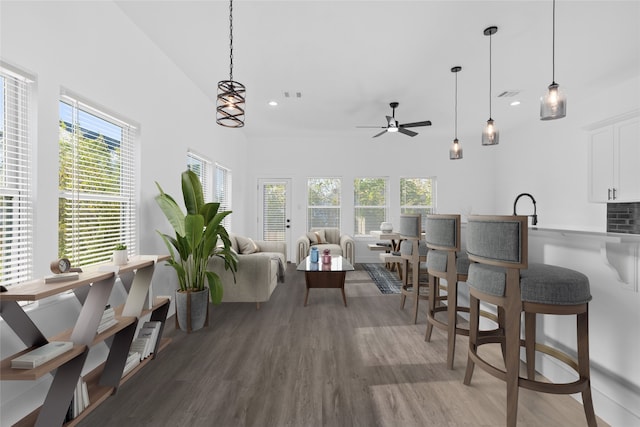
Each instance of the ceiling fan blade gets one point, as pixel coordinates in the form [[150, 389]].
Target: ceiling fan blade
[[378, 134], [371, 127], [407, 132], [416, 124]]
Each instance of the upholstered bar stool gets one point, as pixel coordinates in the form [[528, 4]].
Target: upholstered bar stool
[[413, 250], [500, 275]]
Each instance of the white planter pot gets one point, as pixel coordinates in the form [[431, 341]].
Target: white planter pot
[[120, 257]]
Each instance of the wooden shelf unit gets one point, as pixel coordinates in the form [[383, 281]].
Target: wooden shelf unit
[[104, 380]]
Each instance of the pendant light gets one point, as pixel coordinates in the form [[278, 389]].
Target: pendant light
[[490, 135], [553, 104], [230, 99], [455, 153]]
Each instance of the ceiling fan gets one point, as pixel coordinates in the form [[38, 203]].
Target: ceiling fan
[[394, 126]]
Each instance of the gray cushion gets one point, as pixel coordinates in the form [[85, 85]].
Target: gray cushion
[[540, 283], [441, 232], [406, 247], [437, 261], [494, 239]]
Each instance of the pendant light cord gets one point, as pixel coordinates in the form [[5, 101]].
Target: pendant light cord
[[490, 37], [553, 47], [231, 40], [456, 108]]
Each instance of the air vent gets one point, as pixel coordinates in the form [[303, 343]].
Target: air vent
[[508, 93], [292, 94]]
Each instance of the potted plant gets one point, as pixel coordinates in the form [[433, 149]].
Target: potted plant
[[197, 234], [120, 256]]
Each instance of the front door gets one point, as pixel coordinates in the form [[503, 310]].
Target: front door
[[274, 202]]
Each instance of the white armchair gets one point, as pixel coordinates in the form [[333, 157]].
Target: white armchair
[[326, 238]]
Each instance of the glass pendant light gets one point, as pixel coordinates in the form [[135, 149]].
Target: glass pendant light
[[553, 104], [230, 99], [455, 153], [490, 135]]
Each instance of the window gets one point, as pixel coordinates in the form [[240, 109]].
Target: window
[[223, 193], [370, 198], [16, 206], [323, 202], [202, 168], [417, 195], [97, 186]]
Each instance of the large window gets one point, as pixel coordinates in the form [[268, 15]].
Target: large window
[[223, 193], [96, 207], [202, 168], [16, 211], [370, 202], [417, 196], [323, 202]]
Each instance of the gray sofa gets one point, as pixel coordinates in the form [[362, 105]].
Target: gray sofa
[[258, 273], [338, 244]]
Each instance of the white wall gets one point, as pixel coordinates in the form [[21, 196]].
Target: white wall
[[92, 49]]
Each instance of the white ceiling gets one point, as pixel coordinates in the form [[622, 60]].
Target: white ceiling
[[349, 59]]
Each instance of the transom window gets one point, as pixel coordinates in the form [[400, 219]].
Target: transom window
[[16, 205], [97, 184], [323, 202], [417, 196], [370, 202]]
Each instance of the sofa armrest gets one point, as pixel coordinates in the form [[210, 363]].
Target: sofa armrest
[[279, 247], [302, 248], [348, 246]]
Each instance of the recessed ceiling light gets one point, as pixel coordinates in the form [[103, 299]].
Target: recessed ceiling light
[[514, 103], [273, 103]]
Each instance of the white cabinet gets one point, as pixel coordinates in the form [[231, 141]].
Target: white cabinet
[[614, 162]]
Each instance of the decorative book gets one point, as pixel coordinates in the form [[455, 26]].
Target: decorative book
[[40, 355], [61, 277]]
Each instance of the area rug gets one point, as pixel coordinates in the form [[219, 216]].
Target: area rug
[[387, 281]]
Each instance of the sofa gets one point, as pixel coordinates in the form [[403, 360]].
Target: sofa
[[261, 267], [326, 238]]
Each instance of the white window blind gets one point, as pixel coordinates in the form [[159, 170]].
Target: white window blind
[[274, 198], [16, 207], [417, 196], [223, 192], [370, 202], [202, 168], [97, 188], [323, 202]]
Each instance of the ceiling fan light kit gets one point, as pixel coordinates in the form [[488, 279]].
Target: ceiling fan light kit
[[553, 104], [231, 94], [393, 125], [455, 153], [490, 135]]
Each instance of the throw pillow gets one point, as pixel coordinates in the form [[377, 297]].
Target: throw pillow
[[316, 237], [247, 245]]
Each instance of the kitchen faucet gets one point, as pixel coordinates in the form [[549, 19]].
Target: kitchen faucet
[[535, 215]]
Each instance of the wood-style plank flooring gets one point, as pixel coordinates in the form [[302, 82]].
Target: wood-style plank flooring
[[320, 365]]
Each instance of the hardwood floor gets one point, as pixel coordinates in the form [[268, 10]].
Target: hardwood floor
[[321, 365]]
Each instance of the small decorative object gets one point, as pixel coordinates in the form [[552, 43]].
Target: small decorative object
[[326, 257], [314, 254], [386, 227], [63, 265], [120, 256]]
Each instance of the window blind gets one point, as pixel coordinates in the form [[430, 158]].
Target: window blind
[[223, 192], [16, 206], [274, 210], [370, 202], [417, 196], [97, 185], [323, 202], [202, 168]]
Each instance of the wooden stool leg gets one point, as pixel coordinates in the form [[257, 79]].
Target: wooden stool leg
[[474, 323], [452, 305], [513, 310], [431, 310], [530, 343], [582, 324]]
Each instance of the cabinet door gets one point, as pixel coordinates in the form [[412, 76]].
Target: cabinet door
[[601, 164], [628, 161]]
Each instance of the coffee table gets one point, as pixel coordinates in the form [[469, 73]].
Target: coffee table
[[319, 275]]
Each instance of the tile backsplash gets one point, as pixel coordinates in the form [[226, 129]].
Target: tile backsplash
[[623, 218]]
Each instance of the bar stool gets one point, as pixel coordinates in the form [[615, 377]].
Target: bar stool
[[445, 261], [500, 275], [413, 250]]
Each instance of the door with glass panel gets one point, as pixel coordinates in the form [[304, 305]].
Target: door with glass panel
[[274, 201]]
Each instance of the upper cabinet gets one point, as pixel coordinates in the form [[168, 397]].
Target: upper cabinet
[[614, 162]]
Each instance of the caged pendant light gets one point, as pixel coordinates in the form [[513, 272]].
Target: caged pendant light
[[455, 153], [230, 99], [553, 104], [490, 135]]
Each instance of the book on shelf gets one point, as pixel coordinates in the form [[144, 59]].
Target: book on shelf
[[108, 319], [133, 360], [79, 401], [42, 354], [61, 277]]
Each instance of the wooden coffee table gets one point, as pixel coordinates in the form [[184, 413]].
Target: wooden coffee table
[[319, 275]]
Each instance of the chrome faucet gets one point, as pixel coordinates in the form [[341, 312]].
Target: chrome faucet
[[535, 215]]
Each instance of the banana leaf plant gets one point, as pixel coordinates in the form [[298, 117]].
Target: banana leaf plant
[[197, 234]]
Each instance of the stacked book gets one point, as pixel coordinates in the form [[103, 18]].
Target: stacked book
[[79, 402], [133, 360], [42, 354], [145, 342], [108, 319]]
